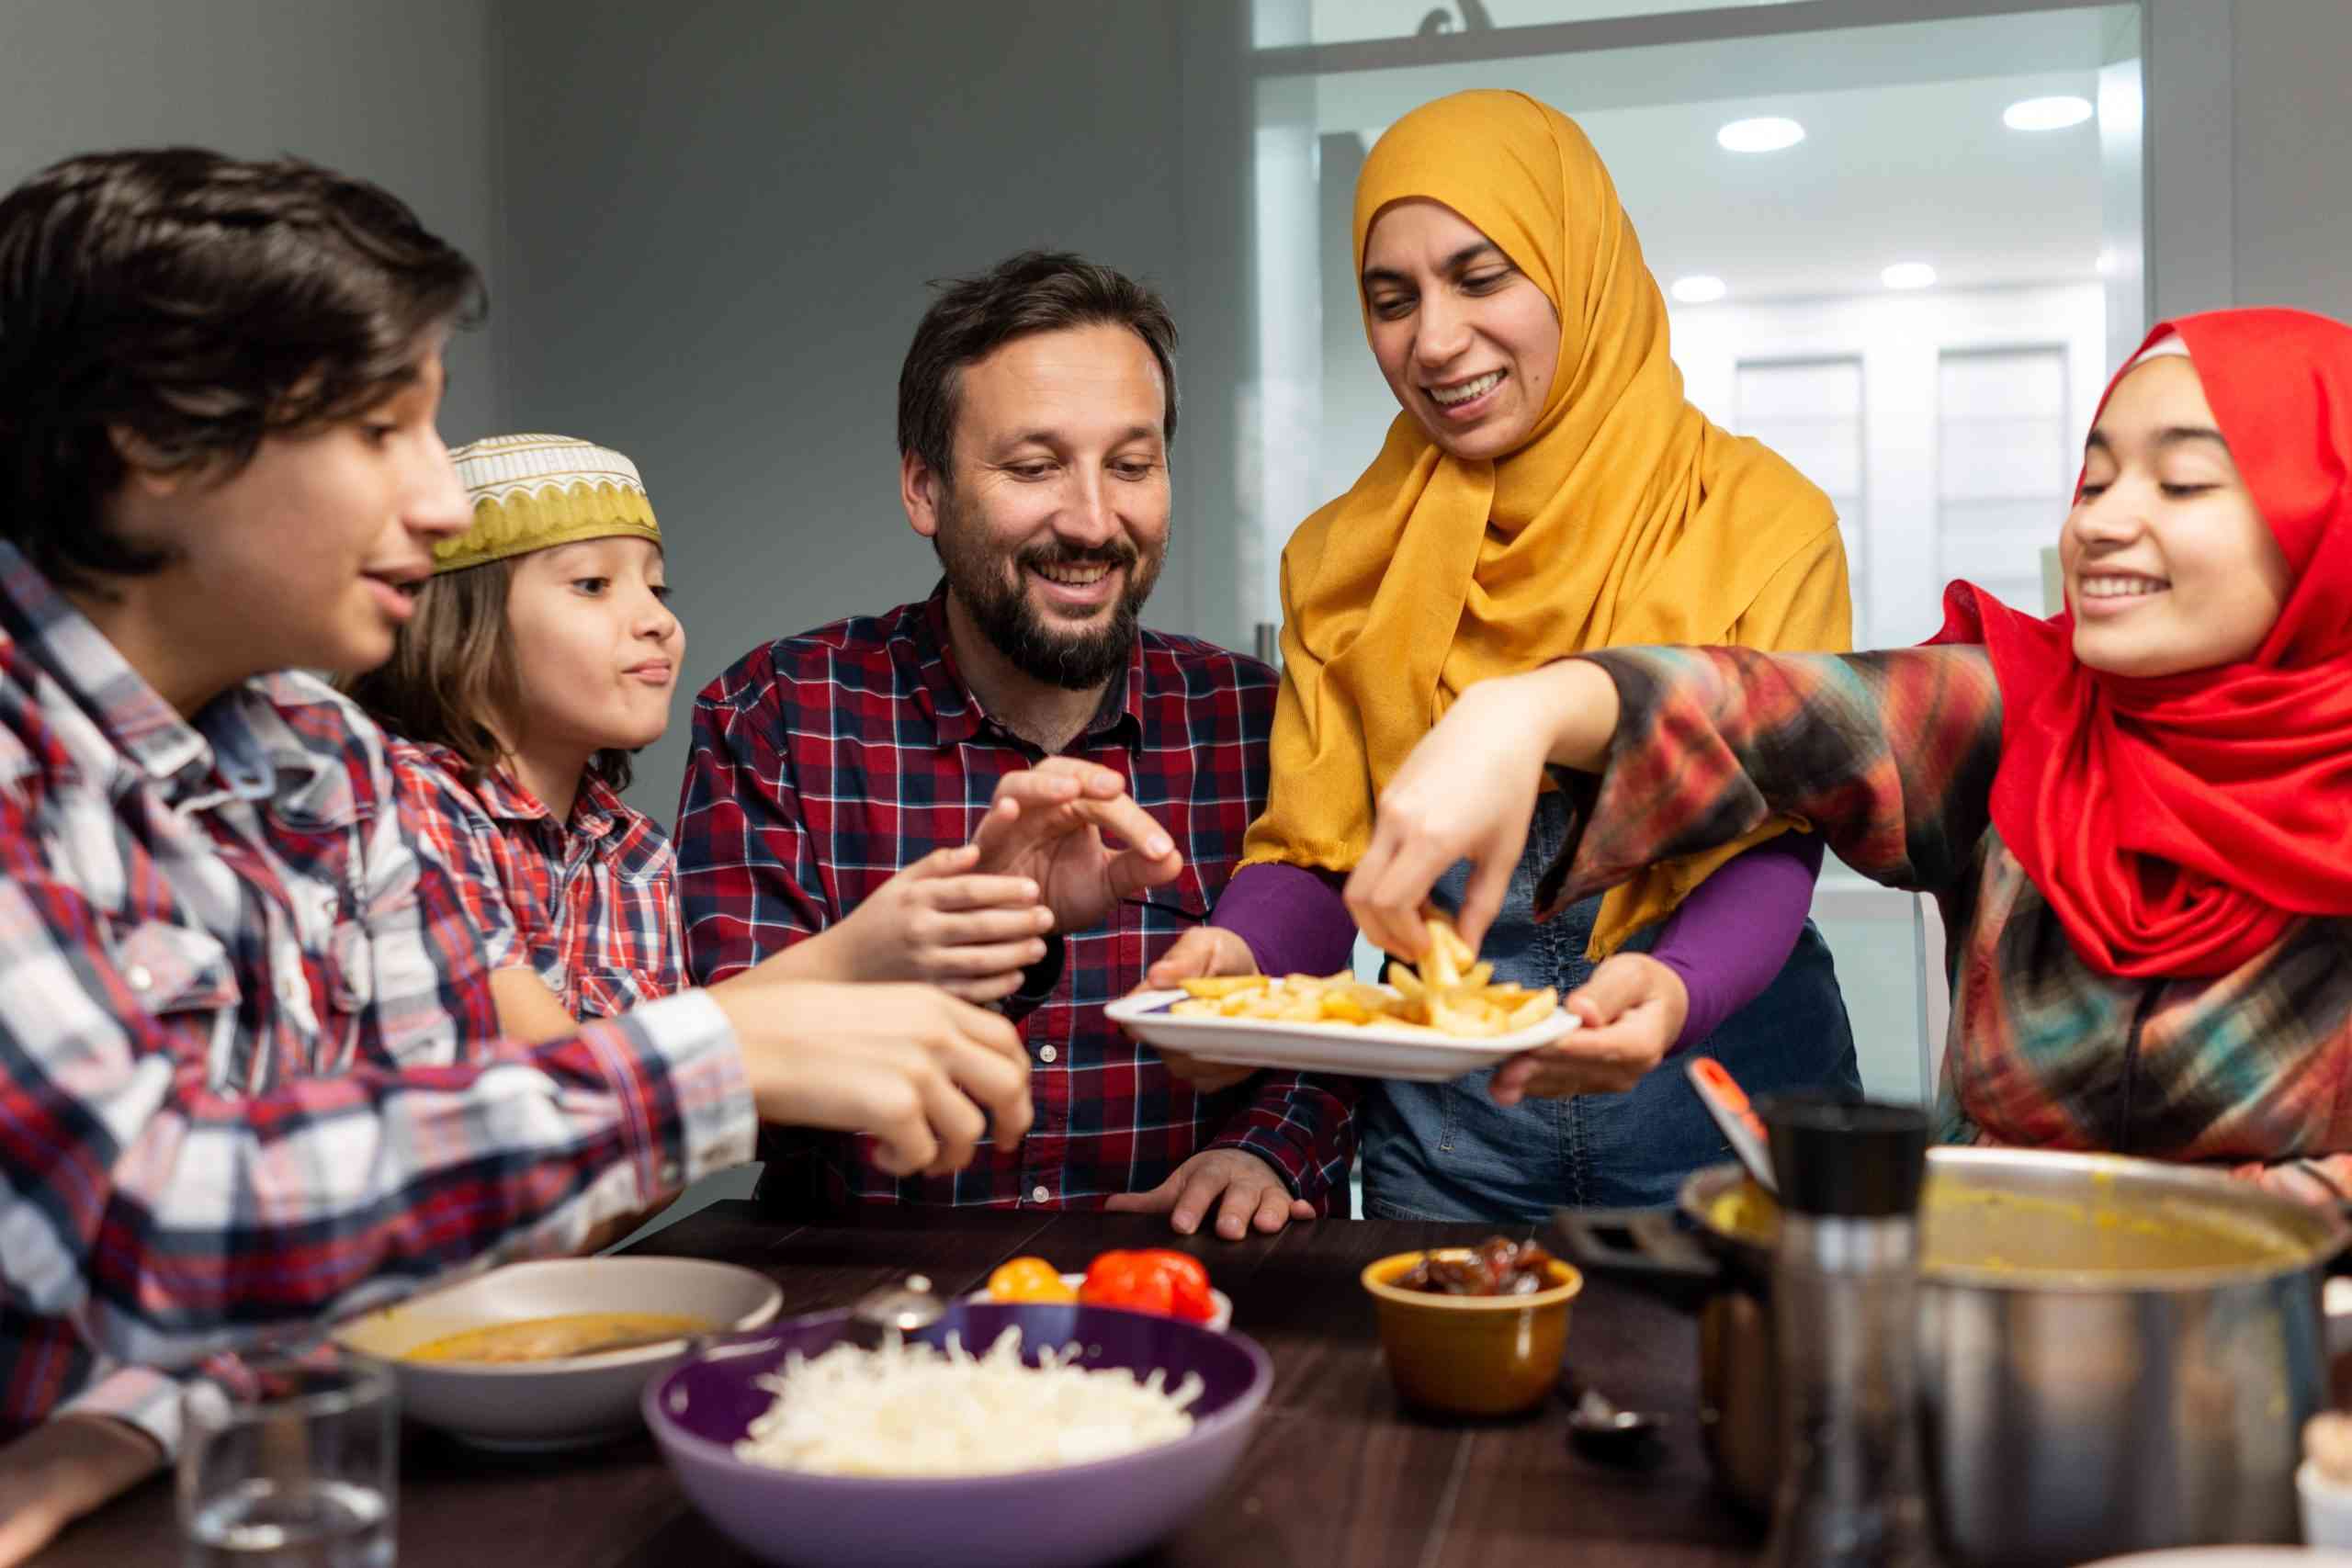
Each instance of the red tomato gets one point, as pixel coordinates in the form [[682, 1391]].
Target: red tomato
[[1173, 1284]]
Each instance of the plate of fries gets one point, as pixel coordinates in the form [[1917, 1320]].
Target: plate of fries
[[1432, 1022]]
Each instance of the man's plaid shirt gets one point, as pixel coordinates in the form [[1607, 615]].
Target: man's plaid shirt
[[823, 765], [590, 906]]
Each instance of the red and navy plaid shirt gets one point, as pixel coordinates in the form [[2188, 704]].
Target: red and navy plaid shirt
[[825, 763], [590, 906]]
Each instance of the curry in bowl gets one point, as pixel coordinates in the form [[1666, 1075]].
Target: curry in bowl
[[553, 1338]]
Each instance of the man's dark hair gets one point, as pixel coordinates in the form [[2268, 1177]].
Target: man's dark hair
[[197, 303], [1036, 291]]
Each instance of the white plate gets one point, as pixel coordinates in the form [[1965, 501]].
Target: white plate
[[1370, 1050], [1220, 1320], [568, 1401]]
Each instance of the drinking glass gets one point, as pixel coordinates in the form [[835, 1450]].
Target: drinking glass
[[293, 1462]]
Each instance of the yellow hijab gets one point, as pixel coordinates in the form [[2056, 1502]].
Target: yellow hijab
[[1625, 519]]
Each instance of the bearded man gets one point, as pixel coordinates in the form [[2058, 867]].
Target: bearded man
[[1010, 788]]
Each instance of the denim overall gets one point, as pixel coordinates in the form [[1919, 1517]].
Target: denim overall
[[1446, 1151]]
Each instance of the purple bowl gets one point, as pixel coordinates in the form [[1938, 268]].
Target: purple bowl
[[1067, 1517]]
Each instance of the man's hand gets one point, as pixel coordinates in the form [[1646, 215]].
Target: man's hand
[[1203, 951], [940, 922], [62, 1469], [925, 1074], [1631, 1013], [1048, 823], [1245, 1189]]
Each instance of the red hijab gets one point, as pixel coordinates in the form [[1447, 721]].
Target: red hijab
[[2180, 824]]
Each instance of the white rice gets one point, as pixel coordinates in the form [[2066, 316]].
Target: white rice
[[911, 1410]]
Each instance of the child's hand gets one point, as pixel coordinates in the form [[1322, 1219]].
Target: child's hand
[[1630, 1011], [939, 923], [924, 1074]]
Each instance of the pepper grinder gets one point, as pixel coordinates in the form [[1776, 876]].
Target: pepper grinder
[[1845, 1283]]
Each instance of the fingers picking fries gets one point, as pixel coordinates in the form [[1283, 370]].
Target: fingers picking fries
[[1451, 993]]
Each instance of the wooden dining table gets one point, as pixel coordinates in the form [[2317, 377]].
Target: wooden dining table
[[1340, 1474]]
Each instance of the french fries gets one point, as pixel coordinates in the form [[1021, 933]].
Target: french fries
[[1450, 992]]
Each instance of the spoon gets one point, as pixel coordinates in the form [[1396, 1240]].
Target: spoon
[[1606, 1429], [908, 1308]]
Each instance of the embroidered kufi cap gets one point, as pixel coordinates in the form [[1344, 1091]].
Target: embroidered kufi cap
[[533, 492]]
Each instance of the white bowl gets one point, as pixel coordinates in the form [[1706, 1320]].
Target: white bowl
[[1220, 1320], [566, 1402]]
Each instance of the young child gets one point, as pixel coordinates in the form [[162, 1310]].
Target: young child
[[2137, 814], [541, 655], [246, 1039]]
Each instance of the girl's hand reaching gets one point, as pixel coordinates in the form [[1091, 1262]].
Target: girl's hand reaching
[[1467, 792]]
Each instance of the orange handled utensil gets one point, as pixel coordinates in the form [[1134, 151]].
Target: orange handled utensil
[[1727, 1103]]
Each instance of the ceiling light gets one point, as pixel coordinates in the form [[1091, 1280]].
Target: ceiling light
[[1908, 275], [2046, 114], [1768, 134], [1698, 289]]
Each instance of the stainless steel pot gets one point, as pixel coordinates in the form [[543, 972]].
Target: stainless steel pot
[[2072, 1407]]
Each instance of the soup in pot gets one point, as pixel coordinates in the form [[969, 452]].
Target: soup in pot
[[1966, 1226]]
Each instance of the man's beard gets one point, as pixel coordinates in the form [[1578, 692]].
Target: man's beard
[[995, 593]]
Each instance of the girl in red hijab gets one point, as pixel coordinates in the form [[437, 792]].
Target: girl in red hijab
[[2136, 815]]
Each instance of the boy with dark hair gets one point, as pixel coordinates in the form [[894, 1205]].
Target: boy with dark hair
[[249, 1071]]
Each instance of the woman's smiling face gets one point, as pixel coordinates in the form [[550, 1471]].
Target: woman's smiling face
[[2169, 565], [1467, 342]]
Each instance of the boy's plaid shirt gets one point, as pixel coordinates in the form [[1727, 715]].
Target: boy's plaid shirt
[[251, 1072], [825, 763], [591, 907], [1891, 756]]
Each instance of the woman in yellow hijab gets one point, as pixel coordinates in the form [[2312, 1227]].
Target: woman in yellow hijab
[[1545, 490]]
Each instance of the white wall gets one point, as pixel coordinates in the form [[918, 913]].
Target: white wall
[[395, 90], [2291, 154]]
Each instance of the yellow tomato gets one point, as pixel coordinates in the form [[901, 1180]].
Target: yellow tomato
[[1029, 1279]]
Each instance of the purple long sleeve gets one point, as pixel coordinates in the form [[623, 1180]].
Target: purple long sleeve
[[1291, 918], [1729, 938]]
